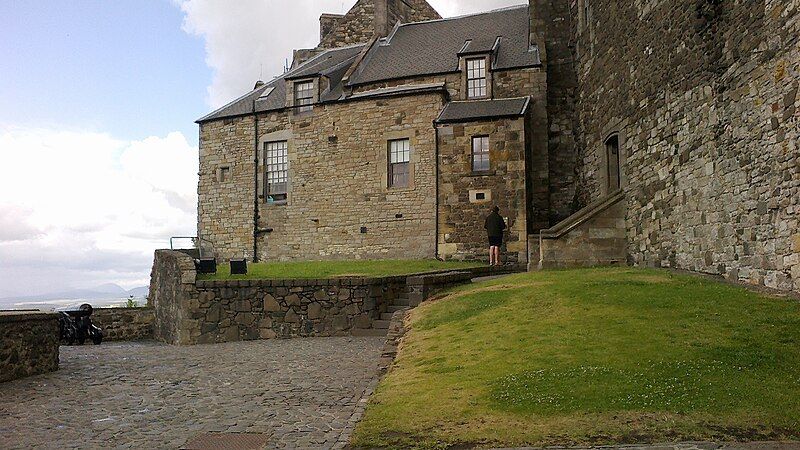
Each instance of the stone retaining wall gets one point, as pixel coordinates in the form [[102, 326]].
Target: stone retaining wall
[[594, 236], [188, 311], [228, 311], [28, 344], [124, 324]]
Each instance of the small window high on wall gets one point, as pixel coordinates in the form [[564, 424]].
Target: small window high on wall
[[613, 163]]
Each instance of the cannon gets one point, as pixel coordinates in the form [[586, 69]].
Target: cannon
[[75, 325]]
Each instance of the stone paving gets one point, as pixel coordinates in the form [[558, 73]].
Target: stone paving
[[301, 393]]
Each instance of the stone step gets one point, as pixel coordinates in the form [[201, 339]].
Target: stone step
[[360, 332], [394, 308], [401, 302], [381, 324], [386, 316]]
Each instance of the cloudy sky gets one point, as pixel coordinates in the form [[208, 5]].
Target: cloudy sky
[[98, 146]]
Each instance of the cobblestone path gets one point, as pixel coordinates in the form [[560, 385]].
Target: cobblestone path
[[299, 392]]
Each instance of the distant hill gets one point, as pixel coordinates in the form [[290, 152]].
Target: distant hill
[[102, 292]]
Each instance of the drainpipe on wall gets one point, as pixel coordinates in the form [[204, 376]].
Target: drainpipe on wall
[[436, 191], [255, 184]]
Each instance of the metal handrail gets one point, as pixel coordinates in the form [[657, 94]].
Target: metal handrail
[[196, 241]]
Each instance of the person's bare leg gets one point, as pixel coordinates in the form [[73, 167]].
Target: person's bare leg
[[497, 256], [491, 256]]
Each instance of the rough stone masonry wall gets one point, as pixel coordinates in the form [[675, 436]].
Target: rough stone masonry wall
[[338, 182], [461, 215], [172, 295], [190, 312], [369, 17], [551, 25], [229, 311], [124, 324], [28, 344], [704, 96], [225, 209]]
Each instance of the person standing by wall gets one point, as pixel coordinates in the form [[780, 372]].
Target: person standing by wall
[[495, 225]]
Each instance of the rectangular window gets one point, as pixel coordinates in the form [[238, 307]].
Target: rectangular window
[[399, 159], [304, 96], [277, 164], [476, 78], [480, 154]]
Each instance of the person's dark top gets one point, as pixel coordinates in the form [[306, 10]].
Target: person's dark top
[[495, 224]]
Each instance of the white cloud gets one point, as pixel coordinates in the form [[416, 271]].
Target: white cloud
[[82, 208], [245, 37]]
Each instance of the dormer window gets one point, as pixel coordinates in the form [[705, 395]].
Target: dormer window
[[304, 96], [476, 78]]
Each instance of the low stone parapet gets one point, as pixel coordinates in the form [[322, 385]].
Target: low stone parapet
[[124, 324], [28, 344], [594, 236]]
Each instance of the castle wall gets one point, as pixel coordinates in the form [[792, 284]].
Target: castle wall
[[703, 95], [461, 214], [338, 182], [225, 211]]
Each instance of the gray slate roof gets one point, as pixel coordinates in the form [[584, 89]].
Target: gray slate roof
[[456, 112], [415, 49], [431, 47], [332, 63]]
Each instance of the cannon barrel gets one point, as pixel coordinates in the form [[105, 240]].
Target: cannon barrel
[[85, 310]]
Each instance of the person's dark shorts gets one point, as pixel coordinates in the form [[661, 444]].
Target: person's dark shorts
[[495, 241]]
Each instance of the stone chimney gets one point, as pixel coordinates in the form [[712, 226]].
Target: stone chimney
[[381, 19], [327, 22]]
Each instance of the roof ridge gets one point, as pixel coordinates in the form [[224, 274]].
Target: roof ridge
[[464, 16], [310, 60]]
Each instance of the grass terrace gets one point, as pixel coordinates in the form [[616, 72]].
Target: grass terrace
[[333, 269], [596, 356]]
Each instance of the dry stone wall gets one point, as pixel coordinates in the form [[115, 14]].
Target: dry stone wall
[[704, 97], [28, 344], [229, 311], [124, 324]]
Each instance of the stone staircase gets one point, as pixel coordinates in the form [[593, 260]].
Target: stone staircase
[[380, 327]]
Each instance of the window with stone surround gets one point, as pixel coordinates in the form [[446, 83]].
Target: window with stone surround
[[304, 96], [399, 161], [476, 78], [480, 154], [277, 166]]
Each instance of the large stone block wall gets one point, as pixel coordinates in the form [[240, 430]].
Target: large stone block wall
[[124, 324], [461, 215], [594, 236], [338, 182], [28, 344], [704, 98]]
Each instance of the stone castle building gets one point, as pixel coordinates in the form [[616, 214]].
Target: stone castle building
[[652, 132]]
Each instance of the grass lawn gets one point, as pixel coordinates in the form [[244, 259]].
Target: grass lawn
[[595, 356], [331, 269]]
